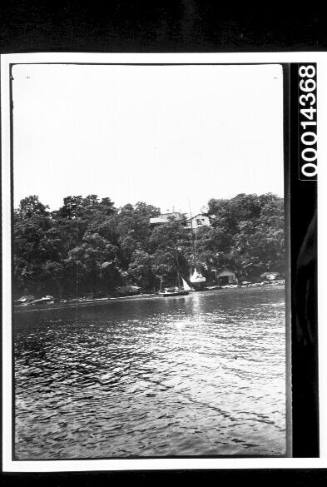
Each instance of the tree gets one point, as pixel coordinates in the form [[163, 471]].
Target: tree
[[134, 230], [89, 246], [141, 270], [87, 260], [31, 244], [30, 207], [249, 230]]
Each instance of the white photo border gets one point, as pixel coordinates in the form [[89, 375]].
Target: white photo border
[[10, 465]]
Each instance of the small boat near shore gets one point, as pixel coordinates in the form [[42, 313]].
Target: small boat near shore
[[81, 303], [173, 291], [197, 280], [181, 289]]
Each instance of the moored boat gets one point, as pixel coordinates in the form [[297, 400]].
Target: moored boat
[[197, 280], [173, 291], [181, 288]]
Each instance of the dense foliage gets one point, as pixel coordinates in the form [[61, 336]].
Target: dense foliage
[[90, 247]]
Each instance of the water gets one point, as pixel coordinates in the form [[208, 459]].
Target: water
[[197, 375]]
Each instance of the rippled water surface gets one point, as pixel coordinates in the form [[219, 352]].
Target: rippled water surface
[[202, 374]]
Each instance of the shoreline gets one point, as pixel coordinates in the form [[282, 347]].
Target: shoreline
[[138, 297]]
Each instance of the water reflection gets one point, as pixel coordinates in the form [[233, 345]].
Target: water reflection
[[202, 374]]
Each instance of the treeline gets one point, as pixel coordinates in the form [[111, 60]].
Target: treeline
[[89, 246]]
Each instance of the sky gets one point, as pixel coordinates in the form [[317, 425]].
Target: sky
[[172, 136]]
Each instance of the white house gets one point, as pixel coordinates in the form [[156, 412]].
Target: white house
[[193, 222], [197, 221]]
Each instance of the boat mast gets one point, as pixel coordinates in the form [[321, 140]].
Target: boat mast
[[192, 237], [179, 282], [193, 233]]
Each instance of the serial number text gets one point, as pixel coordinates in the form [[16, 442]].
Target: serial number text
[[308, 121]]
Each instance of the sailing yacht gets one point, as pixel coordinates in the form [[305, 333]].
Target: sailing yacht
[[181, 289], [197, 280]]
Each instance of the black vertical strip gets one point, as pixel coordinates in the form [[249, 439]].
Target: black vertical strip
[[303, 219], [1, 271], [287, 229]]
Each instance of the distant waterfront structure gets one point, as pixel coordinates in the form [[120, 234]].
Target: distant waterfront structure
[[226, 277]]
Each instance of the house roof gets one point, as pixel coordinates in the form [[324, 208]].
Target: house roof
[[197, 215], [164, 217], [157, 219], [226, 272]]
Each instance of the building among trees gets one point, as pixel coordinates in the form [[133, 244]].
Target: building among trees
[[88, 246], [197, 221], [167, 217], [225, 277]]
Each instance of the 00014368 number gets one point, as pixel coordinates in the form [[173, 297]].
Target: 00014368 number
[[308, 125]]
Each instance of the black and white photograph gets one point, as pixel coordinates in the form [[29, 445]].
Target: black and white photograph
[[150, 260]]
